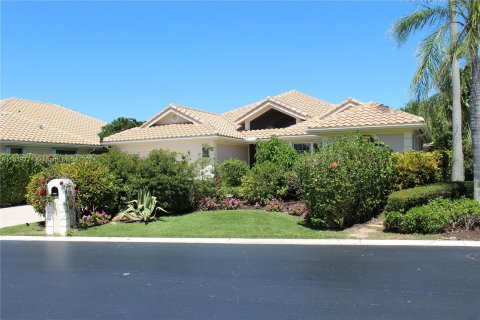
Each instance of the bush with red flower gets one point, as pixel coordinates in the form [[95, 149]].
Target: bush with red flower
[[346, 182], [95, 186]]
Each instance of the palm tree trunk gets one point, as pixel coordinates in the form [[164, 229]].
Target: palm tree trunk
[[458, 171], [475, 120]]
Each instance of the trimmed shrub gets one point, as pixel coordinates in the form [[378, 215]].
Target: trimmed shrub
[[16, 170], [417, 168], [274, 205], [346, 182], [231, 204], [170, 178], [266, 181], [96, 186], [230, 172], [408, 198], [437, 216], [276, 151], [126, 168]]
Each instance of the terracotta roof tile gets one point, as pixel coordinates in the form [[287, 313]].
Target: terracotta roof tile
[[33, 121], [367, 114]]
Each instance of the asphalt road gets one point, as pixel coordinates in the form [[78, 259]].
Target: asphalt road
[[72, 280]]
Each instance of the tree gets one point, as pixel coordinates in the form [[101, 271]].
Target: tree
[[432, 54], [437, 55], [437, 112], [118, 125]]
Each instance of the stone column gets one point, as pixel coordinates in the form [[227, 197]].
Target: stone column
[[60, 212]]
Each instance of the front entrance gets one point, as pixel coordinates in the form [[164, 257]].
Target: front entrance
[[251, 154]]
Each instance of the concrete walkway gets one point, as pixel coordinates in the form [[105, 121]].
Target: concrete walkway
[[13, 216]]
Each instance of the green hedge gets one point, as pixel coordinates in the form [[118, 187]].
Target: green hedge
[[437, 216], [405, 199], [16, 170]]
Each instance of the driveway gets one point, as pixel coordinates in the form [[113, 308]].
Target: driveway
[[80, 280], [12, 216]]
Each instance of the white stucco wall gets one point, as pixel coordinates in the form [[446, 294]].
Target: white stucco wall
[[192, 147], [226, 151], [395, 141]]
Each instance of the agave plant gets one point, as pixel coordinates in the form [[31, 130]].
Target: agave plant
[[143, 209]]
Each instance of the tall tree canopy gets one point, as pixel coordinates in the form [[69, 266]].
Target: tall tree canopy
[[438, 54], [118, 125]]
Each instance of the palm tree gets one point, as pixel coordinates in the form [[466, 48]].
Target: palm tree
[[432, 55], [437, 55]]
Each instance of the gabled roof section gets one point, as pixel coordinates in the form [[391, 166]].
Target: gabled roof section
[[203, 123], [162, 132], [296, 101], [370, 114], [33, 121]]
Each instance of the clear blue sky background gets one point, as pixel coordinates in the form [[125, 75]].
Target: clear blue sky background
[[111, 59]]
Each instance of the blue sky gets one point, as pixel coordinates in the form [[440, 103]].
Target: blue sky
[[111, 59]]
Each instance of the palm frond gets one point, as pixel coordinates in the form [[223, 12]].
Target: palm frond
[[407, 25], [431, 55]]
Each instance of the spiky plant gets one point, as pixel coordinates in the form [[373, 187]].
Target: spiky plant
[[143, 209]]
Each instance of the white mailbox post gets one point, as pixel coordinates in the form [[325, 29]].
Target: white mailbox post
[[60, 212]]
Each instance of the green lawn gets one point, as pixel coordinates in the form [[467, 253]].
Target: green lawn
[[217, 224], [23, 230], [208, 224]]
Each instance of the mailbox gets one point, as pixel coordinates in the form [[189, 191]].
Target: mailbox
[[54, 192], [60, 211]]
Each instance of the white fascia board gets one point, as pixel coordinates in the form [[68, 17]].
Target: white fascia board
[[378, 127], [212, 137], [273, 105]]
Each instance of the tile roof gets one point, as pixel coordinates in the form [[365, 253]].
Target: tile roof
[[32, 121], [319, 114], [297, 101], [162, 132], [366, 114]]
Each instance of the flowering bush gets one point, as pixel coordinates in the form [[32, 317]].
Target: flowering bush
[[274, 205], [346, 182], [95, 186], [16, 170], [298, 209], [94, 218], [207, 204], [231, 204]]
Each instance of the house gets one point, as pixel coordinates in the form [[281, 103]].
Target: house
[[37, 127], [305, 121]]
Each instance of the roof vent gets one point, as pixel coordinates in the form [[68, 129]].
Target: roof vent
[[39, 126]]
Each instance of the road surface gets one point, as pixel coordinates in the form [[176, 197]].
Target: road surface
[[79, 280]]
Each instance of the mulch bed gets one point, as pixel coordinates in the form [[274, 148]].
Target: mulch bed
[[463, 234]]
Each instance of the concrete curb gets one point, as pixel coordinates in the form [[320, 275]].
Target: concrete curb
[[302, 242]]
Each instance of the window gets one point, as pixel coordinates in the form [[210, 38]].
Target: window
[[307, 147], [302, 147], [60, 151], [16, 150], [206, 150]]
